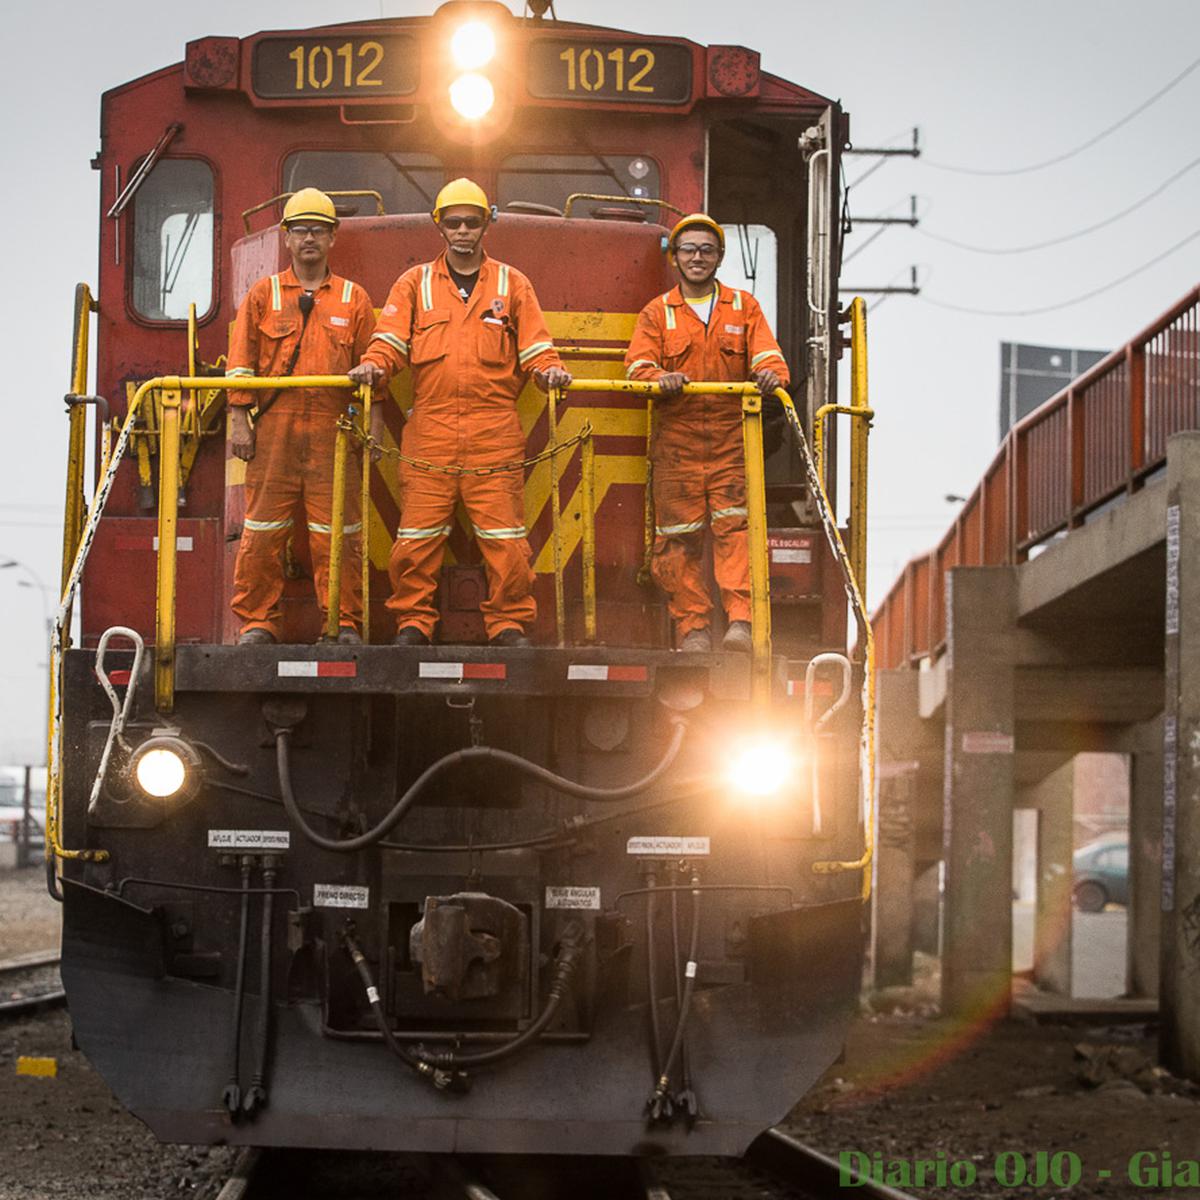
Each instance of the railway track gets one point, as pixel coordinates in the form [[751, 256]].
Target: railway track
[[29, 983], [777, 1167]]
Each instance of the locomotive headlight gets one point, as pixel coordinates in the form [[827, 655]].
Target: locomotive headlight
[[472, 96], [165, 767], [473, 45], [762, 767]]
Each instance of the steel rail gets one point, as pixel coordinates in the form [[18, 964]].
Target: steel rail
[[19, 1005], [781, 1155]]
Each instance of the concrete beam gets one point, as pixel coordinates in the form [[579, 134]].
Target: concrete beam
[[1108, 541], [1093, 695]]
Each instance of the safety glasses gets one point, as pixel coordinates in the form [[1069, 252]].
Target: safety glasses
[[453, 223]]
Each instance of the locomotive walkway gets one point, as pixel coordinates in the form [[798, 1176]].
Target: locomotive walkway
[[1056, 616]]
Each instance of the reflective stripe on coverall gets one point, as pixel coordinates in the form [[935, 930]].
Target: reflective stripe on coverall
[[699, 465], [292, 467], [469, 363]]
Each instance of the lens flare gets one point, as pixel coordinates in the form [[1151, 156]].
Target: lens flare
[[160, 773], [472, 96], [761, 768], [473, 45]]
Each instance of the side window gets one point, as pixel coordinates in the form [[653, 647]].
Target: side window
[[407, 182], [751, 262], [173, 240]]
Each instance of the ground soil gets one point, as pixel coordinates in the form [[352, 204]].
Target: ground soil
[[912, 1086]]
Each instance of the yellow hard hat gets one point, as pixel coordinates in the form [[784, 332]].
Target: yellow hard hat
[[694, 221], [460, 191], [309, 204]]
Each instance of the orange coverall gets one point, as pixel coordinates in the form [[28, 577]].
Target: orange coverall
[[292, 465], [699, 465], [469, 363]]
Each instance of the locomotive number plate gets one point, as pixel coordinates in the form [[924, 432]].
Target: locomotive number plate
[[314, 68], [627, 72]]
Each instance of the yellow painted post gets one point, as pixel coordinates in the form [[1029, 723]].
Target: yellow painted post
[[643, 575], [860, 429], [337, 525], [756, 521], [560, 603], [77, 435], [587, 452], [168, 519], [364, 398]]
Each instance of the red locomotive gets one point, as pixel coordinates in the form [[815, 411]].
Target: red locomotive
[[454, 897]]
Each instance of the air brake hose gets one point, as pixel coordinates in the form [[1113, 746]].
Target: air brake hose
[[231, 1097], [475, 754], [256, 1094], [444, 1068], [659, 1104]]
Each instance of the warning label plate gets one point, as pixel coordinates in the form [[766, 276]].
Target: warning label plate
[[573, 897], [676, 847], [249, 839], [340, 895]]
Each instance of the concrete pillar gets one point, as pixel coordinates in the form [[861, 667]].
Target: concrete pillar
[[1053, 797], [978, 791], [1179, 997], [1143, 947], [898, 726]]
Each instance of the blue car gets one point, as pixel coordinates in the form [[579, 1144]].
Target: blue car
[[1101, 874]]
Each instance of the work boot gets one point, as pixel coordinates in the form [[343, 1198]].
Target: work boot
[[509, 637], [410, 635], [256, 637], [348, 636], [737, 637], [696, 641]]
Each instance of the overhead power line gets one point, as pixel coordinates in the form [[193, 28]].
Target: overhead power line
[[1067, 237], [1046, 308], [1058, 158]]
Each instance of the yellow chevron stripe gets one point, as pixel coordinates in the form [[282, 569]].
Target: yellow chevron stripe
[[609, 470]]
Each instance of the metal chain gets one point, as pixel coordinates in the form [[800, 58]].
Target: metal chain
[[422, 464]]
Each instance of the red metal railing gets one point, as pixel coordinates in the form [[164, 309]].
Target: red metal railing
[[1098, 439]]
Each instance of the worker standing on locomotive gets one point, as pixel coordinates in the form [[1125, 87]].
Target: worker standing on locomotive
[[471, 331], [303, 321], [702, 330]]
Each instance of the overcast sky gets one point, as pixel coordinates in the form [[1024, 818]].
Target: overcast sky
[[991, 86]]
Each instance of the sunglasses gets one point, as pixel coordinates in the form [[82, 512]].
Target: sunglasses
[[453, 223]]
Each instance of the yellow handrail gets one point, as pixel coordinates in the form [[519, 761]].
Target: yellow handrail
[[380, 210], [337, 532], [858, 607], [641, 200], [560, 602], [587, 454], [168, 521], [77, 437], [337, 526], [760, 600], [167, 549], [861, 414]]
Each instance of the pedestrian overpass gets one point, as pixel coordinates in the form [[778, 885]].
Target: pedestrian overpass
[[1060, 613]]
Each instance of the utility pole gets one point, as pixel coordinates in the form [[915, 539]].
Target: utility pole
[[883, 223]]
